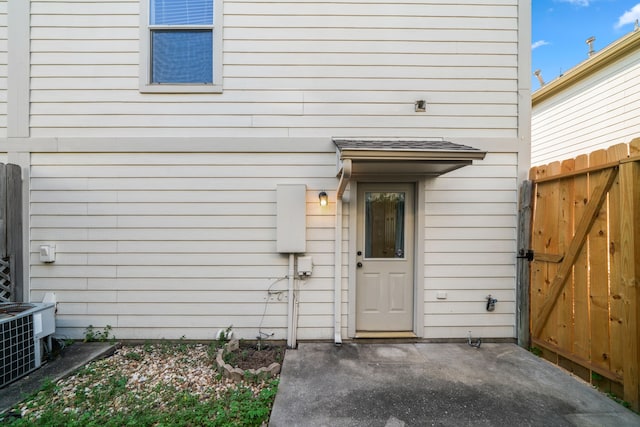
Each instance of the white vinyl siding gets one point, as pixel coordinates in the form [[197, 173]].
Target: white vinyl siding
[[291, 69], [598, 112], [470, 246], [3, 67], [162, 205], [166, 245]]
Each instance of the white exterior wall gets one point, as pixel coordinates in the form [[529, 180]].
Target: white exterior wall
[[597, 112], [291, 69], [161, 245], [470, 242], [162, 206], [4, 56], [165, 245]]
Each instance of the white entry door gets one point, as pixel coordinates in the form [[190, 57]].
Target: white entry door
[[385, 264]]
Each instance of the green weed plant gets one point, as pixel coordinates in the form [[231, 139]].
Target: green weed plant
[[100, 397]]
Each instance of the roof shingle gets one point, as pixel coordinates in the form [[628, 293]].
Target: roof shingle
[[399, 145]]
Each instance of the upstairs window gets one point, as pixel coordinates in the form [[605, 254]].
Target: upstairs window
[[180, 46]]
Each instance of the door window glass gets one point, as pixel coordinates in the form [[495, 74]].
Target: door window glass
[[384, 224]]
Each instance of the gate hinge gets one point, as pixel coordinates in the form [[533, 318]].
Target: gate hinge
[[526, 254]]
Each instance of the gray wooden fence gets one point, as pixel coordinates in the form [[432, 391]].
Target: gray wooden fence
[[11, 263], [523, 271]]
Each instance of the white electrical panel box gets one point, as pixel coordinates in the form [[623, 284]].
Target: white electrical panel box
[[291, 218], [305, 266]]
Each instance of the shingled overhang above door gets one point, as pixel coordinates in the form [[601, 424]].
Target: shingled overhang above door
[[359, 157]]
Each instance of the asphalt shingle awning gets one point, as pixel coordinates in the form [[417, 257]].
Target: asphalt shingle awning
[[404, 156]]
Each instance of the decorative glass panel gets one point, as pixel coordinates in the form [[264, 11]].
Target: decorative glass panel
[[384, 224], [182, 56]]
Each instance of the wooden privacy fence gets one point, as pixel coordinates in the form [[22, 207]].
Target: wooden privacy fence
[[10, 233], [585, 275]]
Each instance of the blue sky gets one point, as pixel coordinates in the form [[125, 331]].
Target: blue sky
[[560, 29]]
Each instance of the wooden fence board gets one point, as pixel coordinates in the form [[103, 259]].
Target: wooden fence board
[[616, 304], [598, 274], [538, 289], [630, 278], [634, 147], [549, 332], [564, 309], [585, 277], [3, 211], [14, 230], [617, 152], [11, 267], [581, 347]]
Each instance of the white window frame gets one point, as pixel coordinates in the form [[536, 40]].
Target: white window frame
[[145, 54]]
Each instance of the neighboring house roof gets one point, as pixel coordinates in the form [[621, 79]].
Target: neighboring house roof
[[593, 106], [613, 52]]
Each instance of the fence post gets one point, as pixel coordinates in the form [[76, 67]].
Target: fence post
[[11, 263], [523, 272], [630, 275], [6, 286], [3, 211], [14, 229]]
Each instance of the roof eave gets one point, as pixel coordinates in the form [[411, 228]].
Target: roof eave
[[412, 155], [608, 55]]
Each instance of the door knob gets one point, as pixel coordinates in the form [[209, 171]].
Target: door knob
[[359, 265]]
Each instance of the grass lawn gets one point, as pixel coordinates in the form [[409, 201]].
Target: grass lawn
[[166, 384]]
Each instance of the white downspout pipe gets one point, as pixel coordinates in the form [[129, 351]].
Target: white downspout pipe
[[337, 299]]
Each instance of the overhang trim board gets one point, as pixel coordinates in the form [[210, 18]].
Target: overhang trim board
[[386, 157]]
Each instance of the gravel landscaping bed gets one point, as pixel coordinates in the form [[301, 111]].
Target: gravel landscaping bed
[[159, 384]]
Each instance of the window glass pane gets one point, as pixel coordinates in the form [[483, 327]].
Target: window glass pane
[[384, 224], [182, 56], [181, 12]]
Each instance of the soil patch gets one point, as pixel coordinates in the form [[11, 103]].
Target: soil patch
[[254, 356]]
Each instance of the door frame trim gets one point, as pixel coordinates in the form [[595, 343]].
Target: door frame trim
[[418, 252]]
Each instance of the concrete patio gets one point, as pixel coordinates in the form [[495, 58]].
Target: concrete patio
[[424, 384]]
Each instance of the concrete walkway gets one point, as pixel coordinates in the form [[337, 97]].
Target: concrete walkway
[[396, 385]]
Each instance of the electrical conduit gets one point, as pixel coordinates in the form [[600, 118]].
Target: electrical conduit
[[291, 311]]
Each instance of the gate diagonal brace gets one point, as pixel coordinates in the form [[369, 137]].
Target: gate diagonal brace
[[582, 230]]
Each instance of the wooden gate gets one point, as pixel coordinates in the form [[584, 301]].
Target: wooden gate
[[10, 233], [585, 276]]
